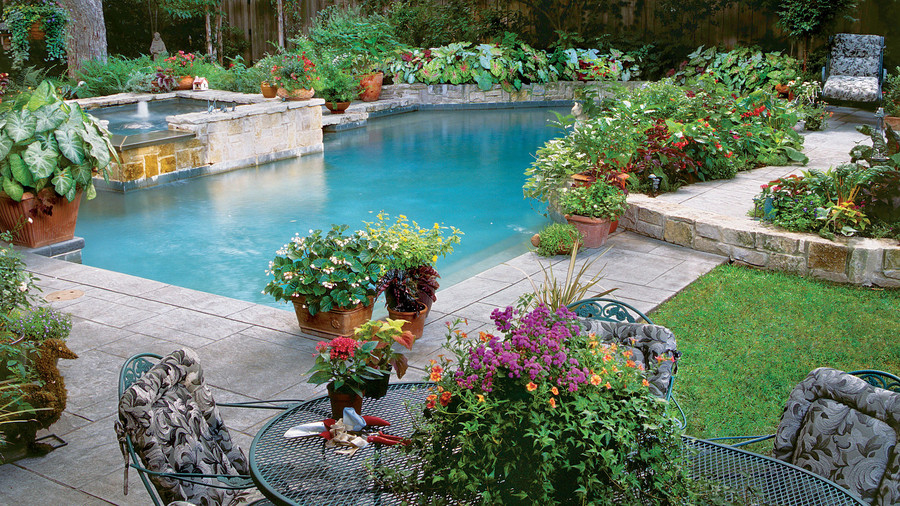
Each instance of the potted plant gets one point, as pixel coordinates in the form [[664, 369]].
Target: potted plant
[[384, 358], [556, 239], [338, 86], [409, 280], [330, 278], [343, 363], [591, 209], [267, 90], [182, 66], [296, 77], [51, 151], [36, 20], [589, 427]]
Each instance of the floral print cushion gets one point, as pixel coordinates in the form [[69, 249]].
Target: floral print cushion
[[842, 428], [857, 45], [854, 89], [653, 346], [175, 427]]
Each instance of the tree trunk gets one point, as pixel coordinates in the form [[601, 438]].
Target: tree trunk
[[209, 44], [86, 32], [220, 39], [281, 24]]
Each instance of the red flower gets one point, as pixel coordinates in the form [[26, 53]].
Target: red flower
[[445, 398]]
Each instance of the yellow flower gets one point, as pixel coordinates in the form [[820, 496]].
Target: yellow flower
[[530, 386], [645, 382], [480, 398], [434, 258], [552, 402], [595, 380], [607, 385], [555, 391]]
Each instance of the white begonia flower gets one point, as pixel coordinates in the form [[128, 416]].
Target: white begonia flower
[[30, 220], [23, 287]]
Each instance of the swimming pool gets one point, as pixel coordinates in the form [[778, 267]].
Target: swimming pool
[[217, 234]]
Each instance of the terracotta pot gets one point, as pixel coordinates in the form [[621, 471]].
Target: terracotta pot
[[337, 107], [45, 228], [377, 388], [594, 230], [343, 398], [337, 322], [267, 90], [36, 31], [185, 83], [415, 322], [613, 226], [296, 95], [370, 86], [894, 122]]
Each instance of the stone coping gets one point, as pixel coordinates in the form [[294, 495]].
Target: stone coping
[[854, 260]]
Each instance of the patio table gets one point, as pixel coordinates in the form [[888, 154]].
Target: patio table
[[301, 471]]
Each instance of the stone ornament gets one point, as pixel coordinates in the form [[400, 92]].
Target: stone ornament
[[157, 47]]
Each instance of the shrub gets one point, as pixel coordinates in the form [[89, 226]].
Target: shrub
[[599, 200], [40, 323], [558, 238]]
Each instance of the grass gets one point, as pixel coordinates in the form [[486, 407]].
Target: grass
[[748, 337]]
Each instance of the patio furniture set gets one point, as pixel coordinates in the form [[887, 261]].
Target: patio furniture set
[[835, 445]]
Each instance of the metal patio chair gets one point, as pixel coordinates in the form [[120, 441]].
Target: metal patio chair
[[171, 432], [844, 427], [854, 71], [616, 321]]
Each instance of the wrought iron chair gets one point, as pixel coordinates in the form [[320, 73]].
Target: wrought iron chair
[[844, 427], [616, 321], [170, 423], [854, 71]]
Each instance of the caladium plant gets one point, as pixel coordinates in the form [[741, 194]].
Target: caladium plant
[[48, 143]]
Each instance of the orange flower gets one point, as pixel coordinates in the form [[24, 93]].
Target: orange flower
[[480, 398], [555, 391], [595, 380], [630, 363], [431, 398], [530, 386], [607, 358], [552, 402], [645, 382], [607, 385], [628, 354], [484, 336], [445, 398], [436, 373]]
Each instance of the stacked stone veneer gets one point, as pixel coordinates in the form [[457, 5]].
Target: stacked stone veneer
[[852, 260], [439, 94]]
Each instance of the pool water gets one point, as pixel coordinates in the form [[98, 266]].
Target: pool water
[[217, 234], [148, 116]]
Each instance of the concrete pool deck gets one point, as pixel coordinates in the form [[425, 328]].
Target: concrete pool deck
[[251, 351]]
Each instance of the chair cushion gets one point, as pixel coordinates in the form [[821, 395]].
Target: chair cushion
[[647, 342], [857, 45], [175, 426], [857, 66], [856, 89], [840, 427]]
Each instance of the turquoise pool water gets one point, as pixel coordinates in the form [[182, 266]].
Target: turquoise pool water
[[218, 233]]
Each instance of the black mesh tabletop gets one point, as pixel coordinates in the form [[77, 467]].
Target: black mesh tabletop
[[749, 478], [302, 471]]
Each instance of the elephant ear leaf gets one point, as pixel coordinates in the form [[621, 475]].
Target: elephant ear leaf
[[99, 147], [42, 96], [19, 171], [21, 125], [41, 161], [64, 184], [70, 145], [81, 173], [13, 189], [49, 117], [90, 191], [5, 145]]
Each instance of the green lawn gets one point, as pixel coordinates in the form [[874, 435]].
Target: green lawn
[[749, 336]]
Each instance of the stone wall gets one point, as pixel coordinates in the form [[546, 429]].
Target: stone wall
[[154, 160], [848, 260], [419, 93]]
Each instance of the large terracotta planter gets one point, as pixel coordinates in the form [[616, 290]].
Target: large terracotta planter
[[296, 95], [370, 86], [594, 230], [36, 30], [415, 322], [185, 83], [337, 322], [893, 121], [343, 398], [45, 228]]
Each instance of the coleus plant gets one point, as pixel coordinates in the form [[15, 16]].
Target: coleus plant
[[46, 143]]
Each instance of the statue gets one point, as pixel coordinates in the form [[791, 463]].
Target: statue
[[157, 47]]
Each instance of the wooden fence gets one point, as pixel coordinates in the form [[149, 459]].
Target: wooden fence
[[735, 25]]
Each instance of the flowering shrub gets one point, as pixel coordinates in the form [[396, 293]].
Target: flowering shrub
[[540, 413], [344, 361], [326, 269], [295, 71], [40, 324], [16, 283], [182, 63]]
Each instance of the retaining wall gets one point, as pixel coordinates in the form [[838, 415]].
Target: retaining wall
[[854, 260]]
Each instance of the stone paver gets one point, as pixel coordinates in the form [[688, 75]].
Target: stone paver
[[257, 352]]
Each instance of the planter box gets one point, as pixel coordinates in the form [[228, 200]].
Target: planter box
[[45, 228]]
